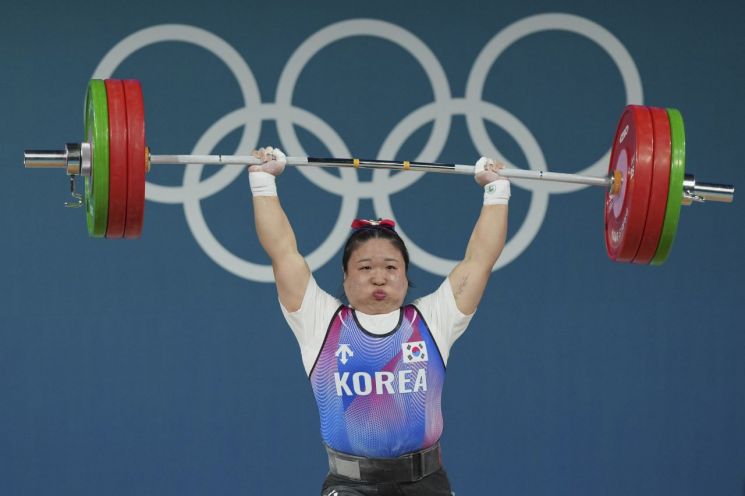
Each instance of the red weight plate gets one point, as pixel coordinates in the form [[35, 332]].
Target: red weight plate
[[135, 158], [626, 209], [117, 158], [660, 186]]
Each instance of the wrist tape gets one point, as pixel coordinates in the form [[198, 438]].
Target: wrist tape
[[262, 184], [497, 192]]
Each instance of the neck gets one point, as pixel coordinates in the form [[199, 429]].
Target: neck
[[375, 309]]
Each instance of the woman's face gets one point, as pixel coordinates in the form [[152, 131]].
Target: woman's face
[[375, 281]]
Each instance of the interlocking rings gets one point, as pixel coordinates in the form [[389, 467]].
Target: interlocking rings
[[383, 184]]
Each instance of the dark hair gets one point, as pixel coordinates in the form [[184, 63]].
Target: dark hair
[[360, 236]]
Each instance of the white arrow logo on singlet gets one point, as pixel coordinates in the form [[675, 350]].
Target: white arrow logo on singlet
[[345, 351]]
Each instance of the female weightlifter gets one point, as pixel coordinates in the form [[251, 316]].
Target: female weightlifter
[[376, 365]]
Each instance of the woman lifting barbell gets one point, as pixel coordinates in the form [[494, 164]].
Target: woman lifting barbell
[[376, 365]]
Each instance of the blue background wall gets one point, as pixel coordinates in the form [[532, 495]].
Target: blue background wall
[[148, 367]]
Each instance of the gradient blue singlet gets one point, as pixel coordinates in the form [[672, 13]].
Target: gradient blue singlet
[[379, 395]]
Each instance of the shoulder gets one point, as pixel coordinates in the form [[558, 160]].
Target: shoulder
[[440, 299], [441, 314], [310, 322], [315, 299]]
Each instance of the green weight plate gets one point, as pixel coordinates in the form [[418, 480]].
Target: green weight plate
[[675, 194], [97, 134]]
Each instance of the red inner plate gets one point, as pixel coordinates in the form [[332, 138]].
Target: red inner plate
[[117, 158], [135, 159], [626, 210], [660, 186]]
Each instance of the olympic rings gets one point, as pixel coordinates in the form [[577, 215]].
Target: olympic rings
[[440, 112]]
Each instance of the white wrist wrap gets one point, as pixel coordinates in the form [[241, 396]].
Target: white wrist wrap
[[497, 192], [262, 184]]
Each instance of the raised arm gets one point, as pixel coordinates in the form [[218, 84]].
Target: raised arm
[[468, 279], [275, 233]]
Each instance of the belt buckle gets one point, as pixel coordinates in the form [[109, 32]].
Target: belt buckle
[[417, 466], [345, 468]]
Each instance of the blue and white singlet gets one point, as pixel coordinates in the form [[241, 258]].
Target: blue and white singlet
[[379, 395]]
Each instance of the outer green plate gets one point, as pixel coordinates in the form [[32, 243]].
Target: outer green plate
[[97, 134], [675, 194]]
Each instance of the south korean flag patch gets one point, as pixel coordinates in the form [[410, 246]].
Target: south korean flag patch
[[414, 351]]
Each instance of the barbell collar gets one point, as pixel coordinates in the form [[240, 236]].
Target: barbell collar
[[73, 158]]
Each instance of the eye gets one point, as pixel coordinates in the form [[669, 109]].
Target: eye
[[365, 267], [392, 267]]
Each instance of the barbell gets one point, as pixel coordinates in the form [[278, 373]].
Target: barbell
[[645, 186]]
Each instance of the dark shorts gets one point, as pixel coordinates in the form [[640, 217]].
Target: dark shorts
[[436, 484]]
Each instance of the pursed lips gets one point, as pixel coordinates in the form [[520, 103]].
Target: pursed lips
[[379, 294]]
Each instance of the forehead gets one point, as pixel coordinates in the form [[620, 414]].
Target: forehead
[[376, 248]]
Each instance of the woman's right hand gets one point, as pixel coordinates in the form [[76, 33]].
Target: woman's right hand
[[273, 161]]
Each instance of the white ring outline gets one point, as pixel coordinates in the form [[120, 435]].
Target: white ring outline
[[195, 217], [533, 154], [347, 29], [535, 24], [228, 55]]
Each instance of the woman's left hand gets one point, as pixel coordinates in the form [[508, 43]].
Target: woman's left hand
[[487, 171]]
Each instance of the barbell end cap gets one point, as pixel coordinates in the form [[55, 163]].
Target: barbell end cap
[[695, 191], [41, 159]]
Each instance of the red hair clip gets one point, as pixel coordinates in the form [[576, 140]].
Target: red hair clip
[[372, 224]]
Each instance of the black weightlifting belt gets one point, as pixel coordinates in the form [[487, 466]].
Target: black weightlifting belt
[[406, 468]]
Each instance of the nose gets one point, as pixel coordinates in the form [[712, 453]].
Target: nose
[[378, 278]]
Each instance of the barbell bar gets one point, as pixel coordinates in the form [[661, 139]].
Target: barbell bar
[[645, 186]]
